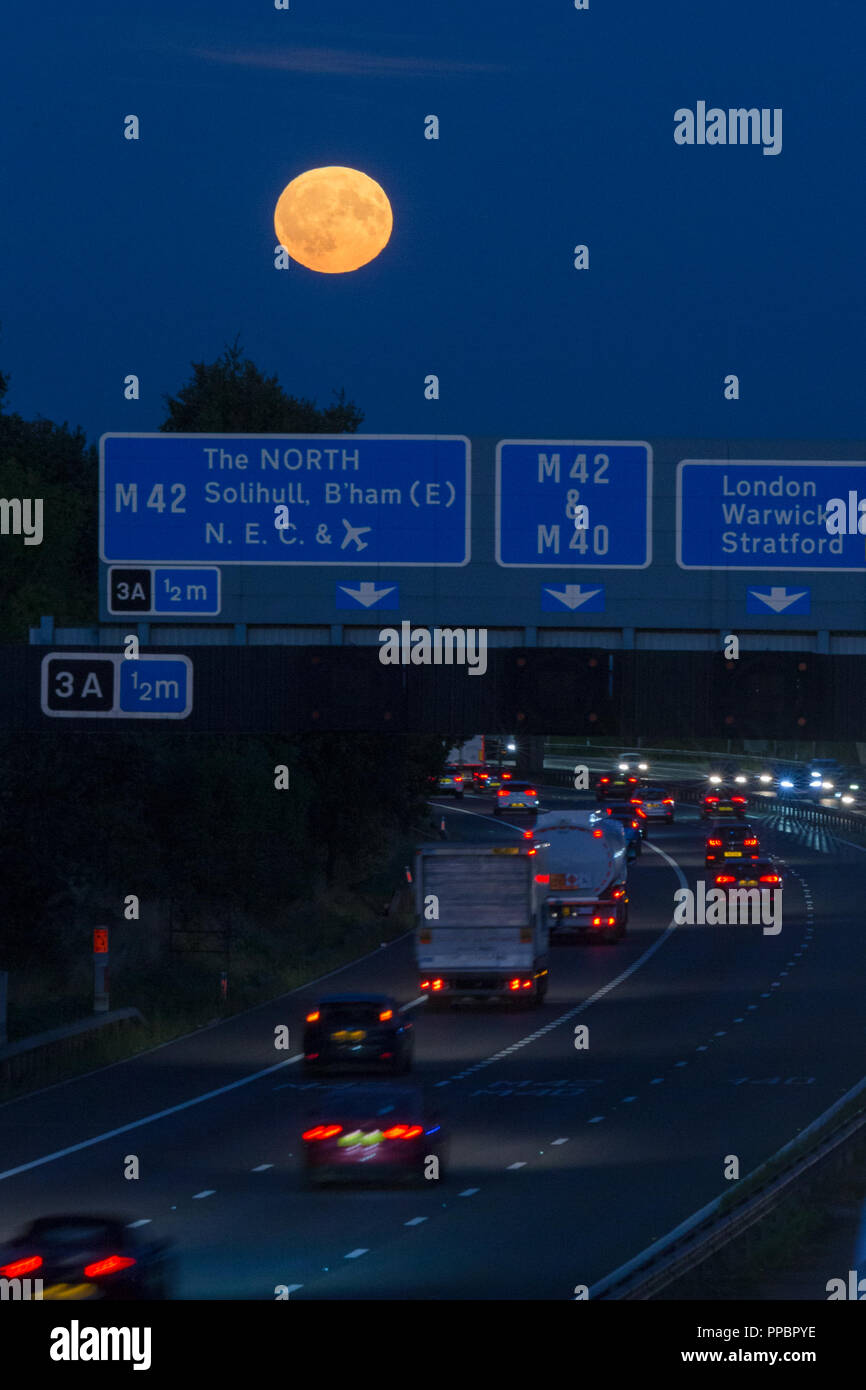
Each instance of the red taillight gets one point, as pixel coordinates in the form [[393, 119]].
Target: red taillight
[[503, 791], [322, 1132], [437, 984], [21, 1267], [668, 801], [514, 984], [726, 878], [530, 791], [738, 800], [311, 1056], [458, 778], [527, 984], [527, 834], [634, 825], [632, 779], [618, 893], [425, 984], [506, 776], [710, 800], [111, 1265], [385, 1015], [770, 878], [749, 844], [403, 1132], [714, 844], [636, 800], [597, 834], [603, 779], [313, 1017], [542, 878]]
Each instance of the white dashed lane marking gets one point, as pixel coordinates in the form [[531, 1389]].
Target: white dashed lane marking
[[208, 1192], [354, 1254]]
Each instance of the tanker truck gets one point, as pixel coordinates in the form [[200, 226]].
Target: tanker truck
[[581, 866]]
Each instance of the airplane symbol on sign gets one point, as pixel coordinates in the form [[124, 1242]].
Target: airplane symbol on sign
[[354, 533]]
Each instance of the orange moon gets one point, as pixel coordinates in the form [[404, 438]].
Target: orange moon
[[333, 219]]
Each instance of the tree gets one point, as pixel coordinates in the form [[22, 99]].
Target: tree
[[231, 396]]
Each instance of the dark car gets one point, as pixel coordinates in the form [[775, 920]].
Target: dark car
[[628, 816], [449, 780], [656, 803], [371, 1133], [753, 873], [88, 1257], [616, 786], [722, 802], [359, 1031], [726, 842]]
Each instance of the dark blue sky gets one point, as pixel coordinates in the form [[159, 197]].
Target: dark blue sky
[[556, 128]]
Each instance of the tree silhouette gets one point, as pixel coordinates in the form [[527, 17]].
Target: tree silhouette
[[231, 396]]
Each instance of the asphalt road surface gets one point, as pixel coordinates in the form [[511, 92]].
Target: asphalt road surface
[[705, 1042]]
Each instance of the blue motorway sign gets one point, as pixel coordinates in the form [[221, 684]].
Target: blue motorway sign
[[91, 685], [751, 515], [541, 485], [346, 499]]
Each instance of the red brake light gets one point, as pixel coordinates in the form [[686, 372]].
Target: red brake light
[[108, 1266], [750, 844], [313, 1017], [21, 1267], [514, 984], [395, 1132], [598, 834], [770, 878], [603, 779], [633, 779], [527, 834], [437, 984], [740, 800], [716, 844], [618, 893], [530, 791], [542, 878], [506, 776], [458, 777], [425, 984], [726, 878], [319, 1132], [413, 1131], [385, 1015], [502, 792], [711, 800], [636, 800], [634, 825], [668, 801]]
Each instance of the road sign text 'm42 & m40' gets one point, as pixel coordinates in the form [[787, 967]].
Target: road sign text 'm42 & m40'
[[342, 499], [574, 503]]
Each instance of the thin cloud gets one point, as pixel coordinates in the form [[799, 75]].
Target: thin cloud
[[344, 62]]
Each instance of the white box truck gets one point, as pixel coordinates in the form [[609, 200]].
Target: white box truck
[[582, 868], [480, 929]]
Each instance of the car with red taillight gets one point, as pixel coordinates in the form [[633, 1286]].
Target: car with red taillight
[[760, 873], [358, 1031], [516, 796], [375, 1133], [616, 786], [450, 781], [82, 1258], [726, 842], [719, 804], [655, 803]]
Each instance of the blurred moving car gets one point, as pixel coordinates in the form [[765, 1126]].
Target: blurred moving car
[[616, 786], [81, 1256], [726, 841], [655, 802], [760, 873], [371, 1133], [719, 803], [627, 816], [358, 1030], [632, 762], [516, 796], [450, 779]]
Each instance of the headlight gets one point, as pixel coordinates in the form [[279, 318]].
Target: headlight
[[623, 767], [642, 767], [785, 783], [765, 777], [854, 787], [847, 800], [741, 779], [714, 778], [827, 786]]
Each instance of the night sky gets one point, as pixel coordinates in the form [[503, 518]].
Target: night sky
[[556, 129]]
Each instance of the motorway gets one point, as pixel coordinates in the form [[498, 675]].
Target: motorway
[[704, 1042]]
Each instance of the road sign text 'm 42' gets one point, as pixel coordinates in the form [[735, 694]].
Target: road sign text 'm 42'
[[341, 499], [564, 503]]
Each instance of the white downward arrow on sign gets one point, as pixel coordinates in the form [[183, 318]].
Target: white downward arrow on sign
[[368, 593], [778, 598], [572, 595]]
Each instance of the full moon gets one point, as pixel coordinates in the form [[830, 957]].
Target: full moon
[[333, 219]]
